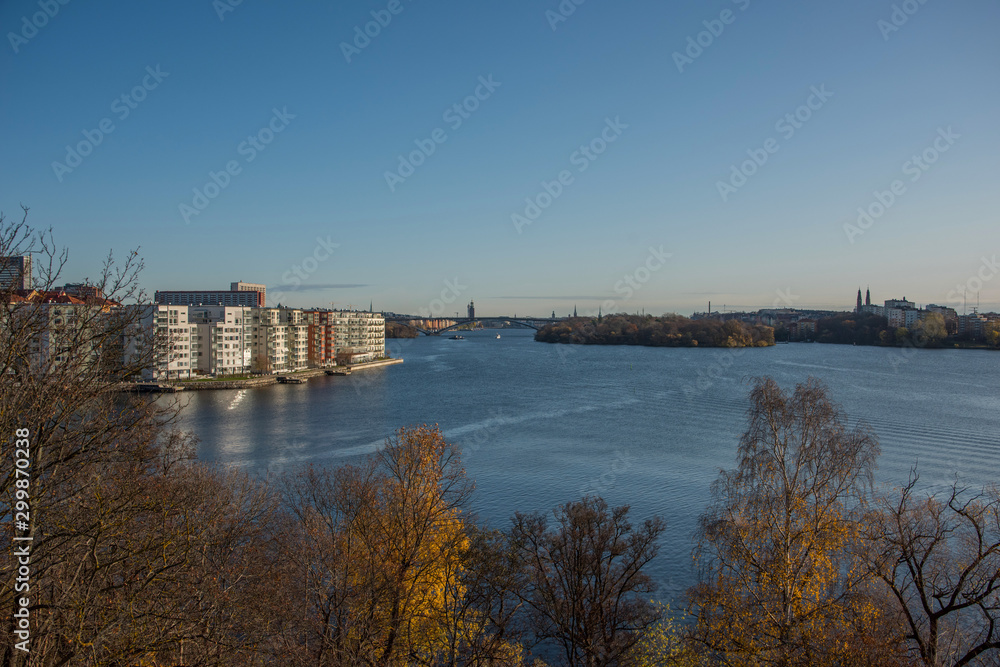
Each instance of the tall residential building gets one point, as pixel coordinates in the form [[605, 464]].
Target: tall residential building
[[972, 326], [222, 342], [251, 287], [359, 336], [242, 294], [322, 337], [900, 303], [947, 312], [280, 340], [169, 327], [15, 272]]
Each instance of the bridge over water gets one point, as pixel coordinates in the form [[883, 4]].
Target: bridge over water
[[535, 323]]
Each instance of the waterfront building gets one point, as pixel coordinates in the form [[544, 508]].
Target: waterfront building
[[948, 313], [168, 328], [901, 313], [359, 336], [221, 339], [321, 337], [15, 273], [802, 329], [972, 326]]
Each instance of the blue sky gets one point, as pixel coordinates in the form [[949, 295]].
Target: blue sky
[[779, 237]]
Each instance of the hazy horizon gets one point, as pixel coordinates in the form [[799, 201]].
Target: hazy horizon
[[590, 157]]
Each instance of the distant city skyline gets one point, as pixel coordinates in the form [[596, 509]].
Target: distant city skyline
[[658, 157]]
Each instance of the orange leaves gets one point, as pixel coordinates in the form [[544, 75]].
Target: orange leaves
[[782, 582]]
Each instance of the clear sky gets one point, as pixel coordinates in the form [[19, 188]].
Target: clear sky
[[315, 217]]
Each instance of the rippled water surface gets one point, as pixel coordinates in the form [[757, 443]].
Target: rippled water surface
[[542, 424]]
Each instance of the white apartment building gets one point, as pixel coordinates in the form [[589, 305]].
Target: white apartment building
[[902, 317], [280, 340], [222, 342], [225, 340], [359, 336], [172, 331]]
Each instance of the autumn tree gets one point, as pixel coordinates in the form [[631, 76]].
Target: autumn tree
[[930, 330], [992, 334], [940, 558], [586, 588], [379, 549], [780, 582]]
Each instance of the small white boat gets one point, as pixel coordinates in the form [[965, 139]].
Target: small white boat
[[498, 335]]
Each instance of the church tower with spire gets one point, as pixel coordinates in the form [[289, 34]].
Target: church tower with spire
[[868, 297], [858, 309]]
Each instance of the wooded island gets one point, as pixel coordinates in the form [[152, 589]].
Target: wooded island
[[665, 331]]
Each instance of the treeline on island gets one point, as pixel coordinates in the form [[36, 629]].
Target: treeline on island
[[125, 550], [665, 331], [399, 330], [931, 331]]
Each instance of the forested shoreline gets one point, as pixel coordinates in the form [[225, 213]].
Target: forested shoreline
[[647, 330]]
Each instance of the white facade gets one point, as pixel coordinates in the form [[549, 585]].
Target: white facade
[[237, 340], [174, 333], [903, 317], [359, 335], [224, 339], [280, 340]]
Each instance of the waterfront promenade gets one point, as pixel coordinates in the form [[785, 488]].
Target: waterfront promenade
[[174, 386]]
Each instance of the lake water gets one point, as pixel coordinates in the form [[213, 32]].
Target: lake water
[[542, 424]]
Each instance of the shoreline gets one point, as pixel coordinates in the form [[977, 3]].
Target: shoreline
[[174, 386]]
